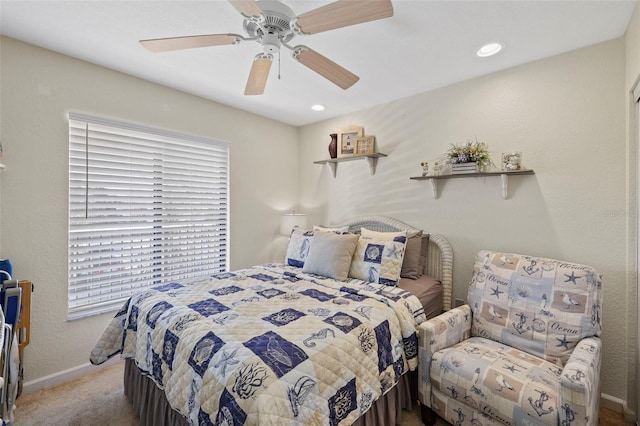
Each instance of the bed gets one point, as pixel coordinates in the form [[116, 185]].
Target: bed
[[284, 343]]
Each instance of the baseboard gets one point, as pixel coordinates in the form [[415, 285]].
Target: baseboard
[[619, 406], [65, 376]]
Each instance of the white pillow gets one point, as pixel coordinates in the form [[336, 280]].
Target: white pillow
[[340, 229], [381, 236], [330, 255]]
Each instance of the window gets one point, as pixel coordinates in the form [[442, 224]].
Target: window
[[146, 206]]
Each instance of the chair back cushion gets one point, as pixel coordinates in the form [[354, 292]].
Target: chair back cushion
[[541, 306]]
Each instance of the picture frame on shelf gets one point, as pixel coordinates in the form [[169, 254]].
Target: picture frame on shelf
[[347, 141], [365, 145]]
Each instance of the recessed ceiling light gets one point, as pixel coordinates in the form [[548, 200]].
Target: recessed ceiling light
[[318, 107], [489, 49]]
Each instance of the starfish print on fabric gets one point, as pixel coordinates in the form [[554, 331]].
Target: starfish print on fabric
[[496, 292], [571, 278], [563, 342], [227, 360], [511, 368]]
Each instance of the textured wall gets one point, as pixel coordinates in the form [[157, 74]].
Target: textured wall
[[38, 88], [565, 113]]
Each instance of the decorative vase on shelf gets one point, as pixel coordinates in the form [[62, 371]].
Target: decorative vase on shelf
[[333, 145]]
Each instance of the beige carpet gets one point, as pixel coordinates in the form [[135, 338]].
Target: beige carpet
[[97, 399]]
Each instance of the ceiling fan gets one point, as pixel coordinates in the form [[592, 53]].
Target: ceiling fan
[[273, 24]]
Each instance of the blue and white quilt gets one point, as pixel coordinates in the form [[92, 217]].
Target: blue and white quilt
[[268, 345]]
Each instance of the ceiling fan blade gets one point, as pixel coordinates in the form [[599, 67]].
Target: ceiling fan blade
[[190, 42], [258, 75], [343, 13], [325, 67], [248, 8]]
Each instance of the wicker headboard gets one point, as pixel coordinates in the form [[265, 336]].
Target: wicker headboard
[[440, 257]]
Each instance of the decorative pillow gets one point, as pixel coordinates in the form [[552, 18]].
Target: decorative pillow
[[415, 254], [378, 261], [298, 248], [339, 229], [382, 236], [424, 252], [330, 255], [412, 252]]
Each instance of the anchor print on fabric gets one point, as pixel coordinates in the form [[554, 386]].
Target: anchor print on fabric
[[569, 415], [531, 268], [577, 377], [520, 326], [595, 316], [538, 404], [460, 420]]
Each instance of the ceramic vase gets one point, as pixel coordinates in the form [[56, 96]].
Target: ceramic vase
[[333, 145]]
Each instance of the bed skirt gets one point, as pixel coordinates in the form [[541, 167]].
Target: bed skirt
[[151, 405]]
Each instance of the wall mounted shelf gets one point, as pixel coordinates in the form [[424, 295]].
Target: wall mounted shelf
[[372, 160], [504, 175]]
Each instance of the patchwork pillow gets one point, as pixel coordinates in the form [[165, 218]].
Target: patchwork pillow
[[298, 248], [330, 255], [378, 261], [415, 254]]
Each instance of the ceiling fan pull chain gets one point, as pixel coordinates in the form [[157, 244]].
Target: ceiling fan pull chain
[[278, 65]]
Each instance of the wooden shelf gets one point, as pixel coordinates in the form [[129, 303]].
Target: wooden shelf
[[372, 160], [504, 175]]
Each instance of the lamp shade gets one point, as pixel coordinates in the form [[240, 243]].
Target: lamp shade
[[290, 220]]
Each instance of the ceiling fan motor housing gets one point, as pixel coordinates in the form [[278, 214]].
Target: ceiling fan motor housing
[[275, 27], [271, 42]]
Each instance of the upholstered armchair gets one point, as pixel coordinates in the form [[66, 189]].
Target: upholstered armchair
[[524, 351]]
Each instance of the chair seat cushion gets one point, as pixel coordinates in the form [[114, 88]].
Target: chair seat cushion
[[505, 383]]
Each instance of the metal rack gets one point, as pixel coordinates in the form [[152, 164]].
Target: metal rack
[[15, 334]]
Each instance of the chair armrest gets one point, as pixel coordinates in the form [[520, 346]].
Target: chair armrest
[[438, 333], [579, 396], [445, 330]]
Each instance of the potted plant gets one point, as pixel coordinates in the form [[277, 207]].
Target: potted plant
[[470, 157]]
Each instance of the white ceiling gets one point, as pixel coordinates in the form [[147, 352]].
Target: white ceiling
[[425, 45]]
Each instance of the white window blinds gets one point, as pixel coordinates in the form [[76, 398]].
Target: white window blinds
[[146, 206]]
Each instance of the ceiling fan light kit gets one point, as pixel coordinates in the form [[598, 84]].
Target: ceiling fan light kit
[[273, 24]]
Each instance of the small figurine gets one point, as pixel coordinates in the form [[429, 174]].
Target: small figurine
[[437, 169], [425, 168]]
